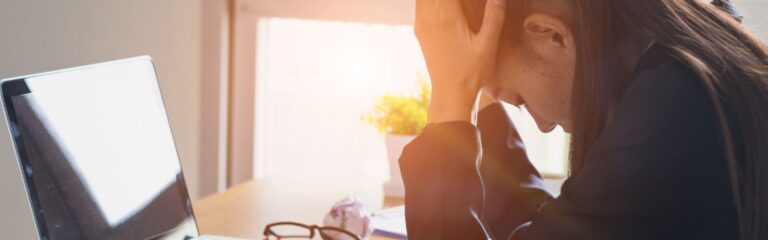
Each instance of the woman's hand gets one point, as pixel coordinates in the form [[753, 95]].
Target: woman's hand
[[459, 61]]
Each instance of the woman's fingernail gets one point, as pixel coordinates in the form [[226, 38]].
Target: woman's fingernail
[[497, 2]]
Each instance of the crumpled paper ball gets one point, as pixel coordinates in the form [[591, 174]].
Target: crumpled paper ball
[[349, 214]]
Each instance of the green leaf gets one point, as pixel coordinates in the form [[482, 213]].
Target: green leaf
[[400, 114]]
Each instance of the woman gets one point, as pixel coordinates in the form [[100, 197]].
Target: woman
[[666, 101]]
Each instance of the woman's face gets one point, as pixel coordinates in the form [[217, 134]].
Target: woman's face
[[543, 86], [538, 73]]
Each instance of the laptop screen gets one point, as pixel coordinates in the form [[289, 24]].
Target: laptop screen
[[98, 155]]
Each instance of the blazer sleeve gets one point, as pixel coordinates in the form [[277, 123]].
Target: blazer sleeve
[[467, 182]]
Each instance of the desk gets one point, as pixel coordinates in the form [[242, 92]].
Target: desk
[[245, 209]]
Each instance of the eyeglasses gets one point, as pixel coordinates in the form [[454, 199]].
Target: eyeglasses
[[292, 230]]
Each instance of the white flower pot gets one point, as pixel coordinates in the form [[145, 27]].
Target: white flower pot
[[394, 187]]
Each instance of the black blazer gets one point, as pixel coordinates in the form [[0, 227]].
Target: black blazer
[[657, 171]]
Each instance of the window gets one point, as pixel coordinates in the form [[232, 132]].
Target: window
[[316, 79]]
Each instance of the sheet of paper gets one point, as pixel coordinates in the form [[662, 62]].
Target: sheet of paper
[[390, 222]]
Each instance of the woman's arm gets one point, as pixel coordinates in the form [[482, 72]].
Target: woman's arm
[[440, 167], [514, 189], [445, 196]]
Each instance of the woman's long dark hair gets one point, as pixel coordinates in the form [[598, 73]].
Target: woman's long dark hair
[[731, 63]]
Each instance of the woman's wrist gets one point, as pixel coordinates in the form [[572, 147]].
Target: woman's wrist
[[455, 107]]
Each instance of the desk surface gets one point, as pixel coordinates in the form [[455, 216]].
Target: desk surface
[[245, 209]]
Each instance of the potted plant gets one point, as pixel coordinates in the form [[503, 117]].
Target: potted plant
[[400, 118]]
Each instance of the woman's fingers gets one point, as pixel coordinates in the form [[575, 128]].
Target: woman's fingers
[[421, 9], [451, 9], [439, 13], [493, 23]]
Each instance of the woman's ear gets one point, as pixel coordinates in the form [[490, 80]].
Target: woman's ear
[[544, 31]]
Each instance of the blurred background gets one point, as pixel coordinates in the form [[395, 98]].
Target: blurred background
[[260, 89]]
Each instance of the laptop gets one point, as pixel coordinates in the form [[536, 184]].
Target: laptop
[[88, 153]]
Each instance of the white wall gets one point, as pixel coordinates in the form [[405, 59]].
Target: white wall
[[39, 35], [754, 16]]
